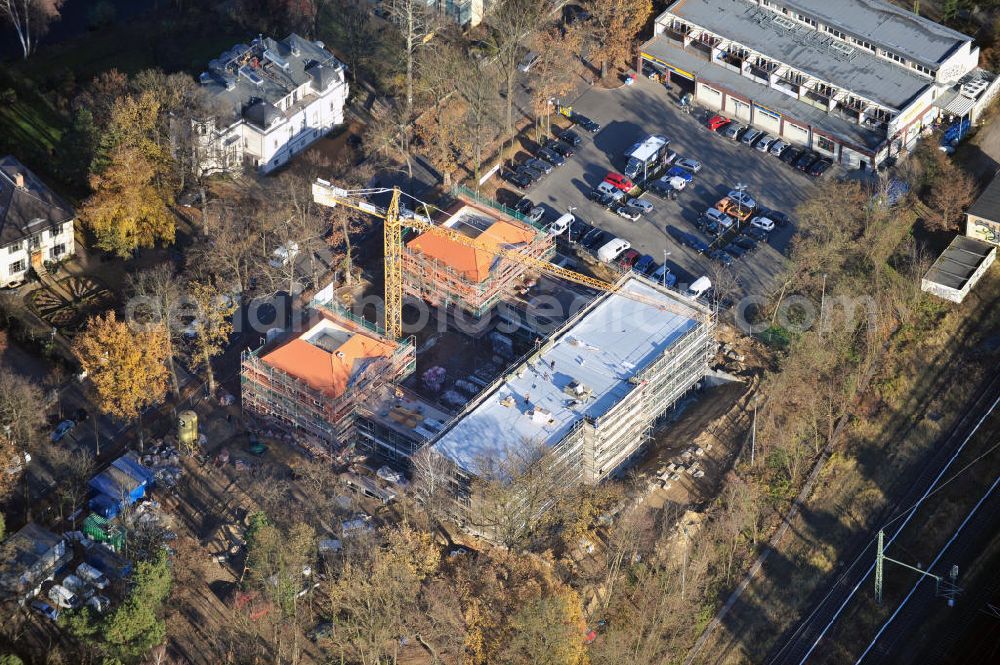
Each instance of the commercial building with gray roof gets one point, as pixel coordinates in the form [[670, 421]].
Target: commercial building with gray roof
[[871, 69]]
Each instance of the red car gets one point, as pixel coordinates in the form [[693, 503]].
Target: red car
[[717, 122], [619, 181], [629, 258]]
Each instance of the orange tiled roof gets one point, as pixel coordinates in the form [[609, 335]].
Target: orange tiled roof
[[329, 373], [472, 264]]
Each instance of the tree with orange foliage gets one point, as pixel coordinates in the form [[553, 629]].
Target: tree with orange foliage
[[127, 368], [616, 24], [952, 191]]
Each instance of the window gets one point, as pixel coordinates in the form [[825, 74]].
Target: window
[[834, 32], [825, 144], [17, 267], [14, 247], [57, 251], [34, 242]]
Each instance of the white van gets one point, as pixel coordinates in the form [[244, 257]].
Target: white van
[[63, 597], [699, 287], [560, 225], [612, 249]]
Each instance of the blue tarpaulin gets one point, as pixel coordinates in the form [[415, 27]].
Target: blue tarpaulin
[[104, 506], [130, 464], [118, 485]]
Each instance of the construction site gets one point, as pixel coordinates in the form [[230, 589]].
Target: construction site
[[589, 382]]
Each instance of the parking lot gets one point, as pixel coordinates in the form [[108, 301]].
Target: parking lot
[[631, 113]]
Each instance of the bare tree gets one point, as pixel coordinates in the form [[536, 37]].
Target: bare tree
[[391, 135], [953, 190], [479, 90], [513, 22], [157, 300], [415, 22], [30, 19], [433, 476]]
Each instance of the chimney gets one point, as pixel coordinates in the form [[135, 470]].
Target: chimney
[[19, 180]]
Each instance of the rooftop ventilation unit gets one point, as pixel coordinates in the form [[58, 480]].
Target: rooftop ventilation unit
[[252, 76], [842, 49], [276, 59], [973, 89]]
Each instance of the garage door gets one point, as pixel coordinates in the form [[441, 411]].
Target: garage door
[[738, 109], [766, 119], [796, 134], [709, 96]]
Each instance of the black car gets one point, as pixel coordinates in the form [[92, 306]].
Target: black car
[[589, 236], [791, 155], [570, 137], [559, 148], [597, 240], [760, 235], [745, 243], [734, 250], [806, 160], [695, 243], [600, 197], [524, 206], [819, 167], [586, 123], [529, 172], [707, 226], [575, 13], [551, 157], [516, 178], [578, 230], [721, 257]]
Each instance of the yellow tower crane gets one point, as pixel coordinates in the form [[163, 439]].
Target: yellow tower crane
[[326, 194]]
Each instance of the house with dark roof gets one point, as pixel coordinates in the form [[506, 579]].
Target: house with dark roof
[[28, 558], [982, 219], [36, 225], [271, 99]]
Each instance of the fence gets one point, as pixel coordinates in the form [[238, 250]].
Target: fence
[[462, 190]]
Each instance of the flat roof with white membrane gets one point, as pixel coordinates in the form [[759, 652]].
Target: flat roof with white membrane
[[603, 349]]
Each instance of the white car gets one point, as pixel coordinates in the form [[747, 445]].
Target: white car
[[77, 586], [742, 199], [765, 142], [778, 147], [629, 212], [100, 604], [63, 597], [719, 217], [92, 576], [762, 223], [687, 164], [645, 206]]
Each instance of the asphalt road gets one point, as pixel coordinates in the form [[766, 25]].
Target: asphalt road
[[630, 113]]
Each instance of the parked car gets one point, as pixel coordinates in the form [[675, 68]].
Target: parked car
[[619, 181], [578, 230], [718, 217], [747, 244], [61, 430], [791, 155], [538, 165], [92, 576], [77, 586], [750, 136], [742, 199], [765, 142], [645, 206], [99, 604], [664, 276], [644, 263], [763, 223], [63, 597], [527, 62], [612, 249], [532, 174], [778, 217], [535, 214], [629, 259], [559, 148], [721, 257], [629, 212], [516, 178], [708, 226], [591, 237], [778, 147], [551, 156], [819, 167], [806, 160], [689, 240], [560, 225], [759, 235], [570, 137], [677, 172], [585, 122], [600, 197], [688, 164], [46, 610], [733, 131], [717, 122], [612, 190], [524, 206], [734, 250]]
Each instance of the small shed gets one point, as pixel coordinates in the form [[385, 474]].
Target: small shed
[[959, 267]]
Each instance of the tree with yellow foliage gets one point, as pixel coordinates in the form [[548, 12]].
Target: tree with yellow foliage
[[127, 211], [127, 369], [615, 26]]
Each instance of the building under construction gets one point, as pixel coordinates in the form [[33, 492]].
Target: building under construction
[[312, 383], [448, 274], [592, 392]]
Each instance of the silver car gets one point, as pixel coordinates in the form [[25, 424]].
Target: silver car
[[764, 142], [778, 147], [688, 164], [750, 136], [732, 131]]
